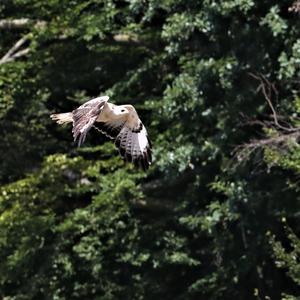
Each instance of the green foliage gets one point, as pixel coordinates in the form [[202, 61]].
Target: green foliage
[[274, 21], [79, 223], [289, 159], [288, 259], [290, 65]]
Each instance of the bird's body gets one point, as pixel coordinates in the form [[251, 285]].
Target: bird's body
[[119, 122]]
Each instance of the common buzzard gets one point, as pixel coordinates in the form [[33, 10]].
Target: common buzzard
[[121, 123]]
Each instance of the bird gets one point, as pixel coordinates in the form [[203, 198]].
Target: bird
[[120, 123]]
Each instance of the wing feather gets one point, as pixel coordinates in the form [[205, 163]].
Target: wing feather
[[111, 129], [134, 146], [85, 116]]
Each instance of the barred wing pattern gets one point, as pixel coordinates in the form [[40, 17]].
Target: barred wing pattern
[[85, 116], [135, 146], [111, 129]]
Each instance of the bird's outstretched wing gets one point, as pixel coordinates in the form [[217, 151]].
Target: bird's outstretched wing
[[112, 128], [134, 145], [133, 142], [85, 116]]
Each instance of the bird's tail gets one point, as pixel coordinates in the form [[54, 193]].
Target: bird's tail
[[62, 118]]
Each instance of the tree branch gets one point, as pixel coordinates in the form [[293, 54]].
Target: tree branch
[[283, 135], [14, 24], [125, 38], [268, 89], [13, 52], [242, 152], [23, 23]]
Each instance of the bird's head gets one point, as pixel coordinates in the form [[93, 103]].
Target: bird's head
[[121, 110]]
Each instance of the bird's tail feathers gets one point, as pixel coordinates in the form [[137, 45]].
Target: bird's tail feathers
[[62, 118]]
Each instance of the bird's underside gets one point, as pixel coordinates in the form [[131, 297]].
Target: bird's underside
[[119, 122]]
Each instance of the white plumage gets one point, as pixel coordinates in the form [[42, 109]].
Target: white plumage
[[119, 122]]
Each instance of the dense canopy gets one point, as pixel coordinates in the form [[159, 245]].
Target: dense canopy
[[216, 216]]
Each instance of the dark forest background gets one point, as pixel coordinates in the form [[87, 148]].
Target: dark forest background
[[217, 84]]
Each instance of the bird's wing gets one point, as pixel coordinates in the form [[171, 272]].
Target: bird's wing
[[112, 128], [85, 116], [134, 145]]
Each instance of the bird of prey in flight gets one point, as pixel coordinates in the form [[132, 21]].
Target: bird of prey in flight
[[121, 123]]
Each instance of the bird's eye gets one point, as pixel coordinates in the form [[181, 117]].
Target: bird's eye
[[122, 110]]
